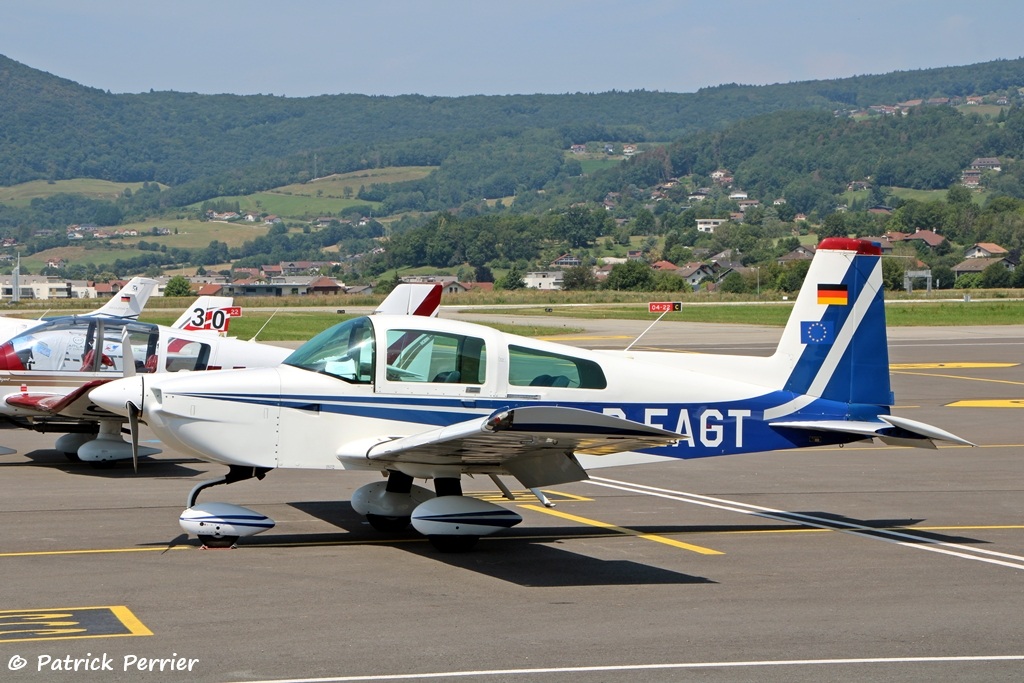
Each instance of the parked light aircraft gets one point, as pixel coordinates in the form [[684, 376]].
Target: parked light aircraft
[[414, 398], [128, 302], [46, 372]]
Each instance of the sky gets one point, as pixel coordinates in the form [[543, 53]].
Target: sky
[[301, 48]]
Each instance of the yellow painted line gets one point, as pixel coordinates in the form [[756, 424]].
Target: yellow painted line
[[562, 337], [988, 403], [556, 496], [622, 530], [130, 621], [953, 366], [970, 379], [96, 552], [69, 623], [614, 532]]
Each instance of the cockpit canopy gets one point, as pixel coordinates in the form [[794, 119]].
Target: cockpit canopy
[[346, 351], [70, 344], [439, 353], [94, 344]]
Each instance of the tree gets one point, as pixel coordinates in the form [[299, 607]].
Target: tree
[[178, 286], [996, 276], [834, 226], [632, 275], [513, 280], [942, 277], [644, 223], [958, 194], [578, 277], [580, 226], [734, 283], [387, 285]]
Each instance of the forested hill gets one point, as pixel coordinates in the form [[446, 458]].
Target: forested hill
[[54, 128]]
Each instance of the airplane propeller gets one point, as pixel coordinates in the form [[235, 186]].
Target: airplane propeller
[[133, 427], [128, 370]]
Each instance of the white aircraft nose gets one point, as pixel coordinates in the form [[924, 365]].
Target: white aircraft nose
[[113, 396]]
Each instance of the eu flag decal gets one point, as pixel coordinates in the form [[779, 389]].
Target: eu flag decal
[[833, 294], [816, 332]]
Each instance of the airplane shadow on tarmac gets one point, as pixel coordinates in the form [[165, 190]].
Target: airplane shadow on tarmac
[[48, 457], [530, 557], [516, 557]]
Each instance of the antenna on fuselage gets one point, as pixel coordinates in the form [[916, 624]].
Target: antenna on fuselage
[[663, 307], [265, 324]]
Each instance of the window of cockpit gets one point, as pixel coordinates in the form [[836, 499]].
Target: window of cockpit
[[185, 354], [346, 351], [44, 350], [531, 367], [108, 352], [55, 346], [426, 356]]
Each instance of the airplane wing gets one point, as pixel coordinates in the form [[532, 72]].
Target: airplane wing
[[535, 444], [73, 404], [893, 430]]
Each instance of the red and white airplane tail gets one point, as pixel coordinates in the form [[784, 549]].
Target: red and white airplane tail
[[209, 313], [412, 299]]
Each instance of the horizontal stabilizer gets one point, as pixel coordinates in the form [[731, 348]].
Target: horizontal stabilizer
[[895, 431], [926, 431]]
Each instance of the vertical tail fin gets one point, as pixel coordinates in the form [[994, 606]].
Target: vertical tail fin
[[412, 299], [208, 313], [835, 341], [130, 300]]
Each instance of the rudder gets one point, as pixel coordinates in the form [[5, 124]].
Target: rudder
[[835, 338]]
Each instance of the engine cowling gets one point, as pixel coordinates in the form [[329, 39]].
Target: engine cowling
[[223, 520], [462, 516]]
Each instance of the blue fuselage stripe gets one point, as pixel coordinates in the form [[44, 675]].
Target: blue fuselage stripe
[[708, 429]]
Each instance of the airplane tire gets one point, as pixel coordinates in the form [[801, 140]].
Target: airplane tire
[[453, 543], [72, 457], [221, 542], [101, 464], [388, 524]]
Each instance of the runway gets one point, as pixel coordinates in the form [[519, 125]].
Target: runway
[[859, 563]]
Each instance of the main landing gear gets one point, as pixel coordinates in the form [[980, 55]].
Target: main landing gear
[[451, 521]]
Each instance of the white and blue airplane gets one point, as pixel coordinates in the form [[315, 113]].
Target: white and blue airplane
[[424, 398], [48, 370]]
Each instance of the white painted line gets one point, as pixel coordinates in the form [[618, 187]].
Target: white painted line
[[904, 539], [644, 667]]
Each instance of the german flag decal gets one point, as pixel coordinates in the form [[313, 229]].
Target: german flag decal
[[833, 294]]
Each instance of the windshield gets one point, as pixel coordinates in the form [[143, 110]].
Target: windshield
[[345, 351]]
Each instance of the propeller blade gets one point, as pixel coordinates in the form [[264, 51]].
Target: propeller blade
[[133, 427], [133, 417]]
